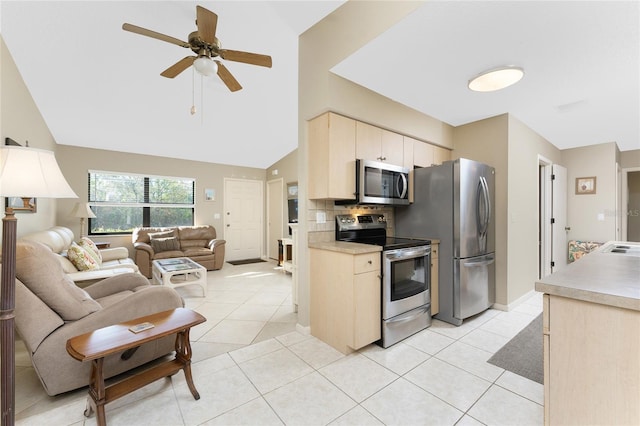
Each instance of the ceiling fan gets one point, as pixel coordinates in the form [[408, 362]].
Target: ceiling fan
[[206, 46]]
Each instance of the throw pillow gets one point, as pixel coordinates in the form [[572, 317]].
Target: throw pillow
[[81, 258], [39, 270], [92, 248], [165, 244]]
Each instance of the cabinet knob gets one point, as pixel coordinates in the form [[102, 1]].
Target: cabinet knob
[[370, 262]]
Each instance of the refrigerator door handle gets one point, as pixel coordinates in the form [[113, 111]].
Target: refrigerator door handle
[[486, 262]]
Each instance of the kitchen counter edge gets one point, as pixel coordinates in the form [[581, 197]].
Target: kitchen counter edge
[[345, 247]]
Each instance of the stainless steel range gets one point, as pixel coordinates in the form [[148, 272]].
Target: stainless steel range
[[406, 272]]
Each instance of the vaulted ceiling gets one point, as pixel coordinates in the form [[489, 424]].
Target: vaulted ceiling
[[98, 86]]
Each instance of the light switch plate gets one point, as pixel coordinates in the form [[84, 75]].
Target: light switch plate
[[321, 217]]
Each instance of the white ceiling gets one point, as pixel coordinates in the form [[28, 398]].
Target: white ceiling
[[98, 86]]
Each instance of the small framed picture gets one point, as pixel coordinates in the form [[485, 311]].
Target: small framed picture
[[209, 194], [24, 205], [586, 185]]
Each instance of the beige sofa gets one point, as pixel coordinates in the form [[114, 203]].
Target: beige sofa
[[199, 243], [50, 309], [59, 238]]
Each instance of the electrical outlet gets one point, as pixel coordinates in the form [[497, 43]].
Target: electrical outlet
[[321, 217]]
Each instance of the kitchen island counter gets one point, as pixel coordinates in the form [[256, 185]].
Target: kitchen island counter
[[591, 338], [604, 277]]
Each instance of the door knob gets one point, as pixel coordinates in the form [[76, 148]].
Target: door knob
[[228, 225]]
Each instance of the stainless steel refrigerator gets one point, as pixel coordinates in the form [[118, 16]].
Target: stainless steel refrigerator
[[454, 202]]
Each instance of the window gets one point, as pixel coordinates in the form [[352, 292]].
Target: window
[[122, 202]]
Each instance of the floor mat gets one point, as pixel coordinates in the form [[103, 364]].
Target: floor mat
[[522, 355], [245, 261]]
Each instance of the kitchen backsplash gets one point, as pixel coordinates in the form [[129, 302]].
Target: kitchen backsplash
[[320, 232]]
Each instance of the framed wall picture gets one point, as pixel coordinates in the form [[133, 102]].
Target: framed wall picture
[[586, 185], [18, 204], [209, 194]]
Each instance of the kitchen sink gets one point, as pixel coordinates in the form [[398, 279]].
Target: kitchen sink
[[629, 249]]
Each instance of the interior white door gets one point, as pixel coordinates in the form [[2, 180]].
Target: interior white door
[[244, 205], [275, 216], [559, 247]]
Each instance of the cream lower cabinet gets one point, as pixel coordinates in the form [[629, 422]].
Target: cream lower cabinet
[[435, 294], [591, 363], [345, 298]]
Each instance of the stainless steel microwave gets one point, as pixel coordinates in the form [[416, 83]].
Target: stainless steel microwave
[[381, 183]]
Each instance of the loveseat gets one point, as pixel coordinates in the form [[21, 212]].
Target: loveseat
[[50, 309], [112, 261], [199, 243]]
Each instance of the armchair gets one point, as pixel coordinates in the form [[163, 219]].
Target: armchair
[[50, 309]]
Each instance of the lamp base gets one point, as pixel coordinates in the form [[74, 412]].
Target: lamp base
[[7, 318]]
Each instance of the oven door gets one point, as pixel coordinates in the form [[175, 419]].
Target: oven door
[[406, 280]]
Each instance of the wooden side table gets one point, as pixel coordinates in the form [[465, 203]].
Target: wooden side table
[[96, 345]]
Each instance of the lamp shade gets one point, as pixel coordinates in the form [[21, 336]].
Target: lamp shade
[[31, 172], [82, 210]]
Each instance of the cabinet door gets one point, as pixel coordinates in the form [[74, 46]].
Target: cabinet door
[[332, 154], [368, 141], [392, 151], [422, 154], [367, 314], [440, 155], [407, 149]]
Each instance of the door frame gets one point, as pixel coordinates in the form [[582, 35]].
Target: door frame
[[624, 202], [279, 219], [544, 216]]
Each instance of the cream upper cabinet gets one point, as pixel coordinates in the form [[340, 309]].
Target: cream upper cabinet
[[440, 155], [422, 154], [374, 143], [408, 152], [332, 153]]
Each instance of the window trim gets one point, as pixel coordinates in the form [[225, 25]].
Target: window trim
[[146, 206]]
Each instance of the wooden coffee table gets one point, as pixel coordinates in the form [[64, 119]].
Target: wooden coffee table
[[96, 345], [178, 272]]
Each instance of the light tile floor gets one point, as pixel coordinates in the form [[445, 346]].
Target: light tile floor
[[252, 367]]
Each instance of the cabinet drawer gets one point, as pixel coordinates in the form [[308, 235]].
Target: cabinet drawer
[[369, 262]]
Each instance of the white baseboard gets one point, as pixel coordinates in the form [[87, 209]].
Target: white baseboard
[[303, 329], [511, 306]]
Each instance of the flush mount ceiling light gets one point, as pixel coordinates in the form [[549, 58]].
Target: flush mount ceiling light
[[496, 79]]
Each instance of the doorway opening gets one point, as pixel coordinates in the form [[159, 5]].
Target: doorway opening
[[631, 204]]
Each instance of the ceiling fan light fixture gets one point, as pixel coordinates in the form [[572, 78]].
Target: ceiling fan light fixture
[[496, 79], [205, 65]]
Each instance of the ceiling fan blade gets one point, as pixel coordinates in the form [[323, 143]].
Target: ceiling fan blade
[[207, 21], [227, 78], [153, 34], [246, 57], [178, 67]]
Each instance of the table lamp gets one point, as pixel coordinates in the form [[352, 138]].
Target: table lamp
[[83, 211], [24, 172]]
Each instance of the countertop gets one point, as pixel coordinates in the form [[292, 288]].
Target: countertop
[[345, 247], [599, 277]]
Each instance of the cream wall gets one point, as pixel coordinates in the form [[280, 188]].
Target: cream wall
[[76, 162], [585, 211], [630, 159], [21, 121]]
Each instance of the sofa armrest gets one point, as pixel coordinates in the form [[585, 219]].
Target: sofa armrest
[[144, 247], [116, 284], [213, 244], [34, 319], [84, 278], [115, 253]]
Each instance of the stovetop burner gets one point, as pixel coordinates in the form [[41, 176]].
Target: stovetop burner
[[371, 229]]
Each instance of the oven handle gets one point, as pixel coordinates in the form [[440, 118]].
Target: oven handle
[[402, 318], [406, 254]]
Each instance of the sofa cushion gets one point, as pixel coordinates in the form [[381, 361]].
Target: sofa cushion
[[67, 266], [162, 234], [91, 247], [42, 273], [81, 258], [165, 244]]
